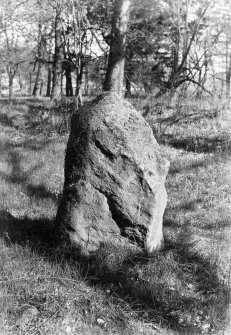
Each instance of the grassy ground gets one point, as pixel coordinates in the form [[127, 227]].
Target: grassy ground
[[48, 289]]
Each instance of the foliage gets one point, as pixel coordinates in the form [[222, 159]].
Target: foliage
[[172, 45]]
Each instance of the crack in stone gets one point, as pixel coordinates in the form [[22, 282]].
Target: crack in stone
[[104, 151], [124, 224]]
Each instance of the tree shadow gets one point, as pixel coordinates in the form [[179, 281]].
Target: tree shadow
[[17, 120], [41, 192], [141, 281], [36, 116], [199, 144], [136, 279], [176, 168], [188, 117], [4, 120], [19, 175], [23, 114], [37, 232], [191, 206], [187, 205], [14, 114], [35, 144]]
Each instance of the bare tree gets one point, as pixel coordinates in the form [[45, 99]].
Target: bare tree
[[40, 62], [58, 56]]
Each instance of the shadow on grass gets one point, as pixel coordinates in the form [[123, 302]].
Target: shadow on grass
[[4, 120], [41, 192], [38, 116], [31, 144], [198, 162], [18, 175], [192, 206], [177, 287], [19, 100], [14, 114], [23, 114], [177, 168], [171, 287], [38, 233], [188, 205], [198, 144], [25, 142], [21, 176]]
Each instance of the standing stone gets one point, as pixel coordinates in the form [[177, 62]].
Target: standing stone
[[114, 178]]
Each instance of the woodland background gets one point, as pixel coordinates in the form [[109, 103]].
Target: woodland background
[[54, 48]]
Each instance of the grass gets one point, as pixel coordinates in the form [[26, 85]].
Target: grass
[[47, 288]]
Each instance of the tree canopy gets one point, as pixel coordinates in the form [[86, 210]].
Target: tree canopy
[[60, 47]]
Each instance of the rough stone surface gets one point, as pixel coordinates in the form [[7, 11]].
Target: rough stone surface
[[114, 177]]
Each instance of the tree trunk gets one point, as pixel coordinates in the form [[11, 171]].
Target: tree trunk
[[228, 69], [186, 33], [41, 87], [58, 56], [86, 88], [49, 77], [228, 77], [115, 71], [36, 90], [61, 88], [11, 87], [21, 84], [69, 87], [40, 67], [0, 83], [30, 84], [78, 89], [128, 88]]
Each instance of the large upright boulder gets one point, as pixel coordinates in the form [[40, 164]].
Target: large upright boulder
[[114, 178]]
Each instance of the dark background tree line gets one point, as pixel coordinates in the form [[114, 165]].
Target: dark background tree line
[[58, 47]]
